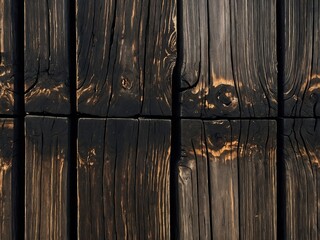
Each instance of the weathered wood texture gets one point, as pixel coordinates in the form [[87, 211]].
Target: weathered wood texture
[[301, 155], [227, 180], [123, 179], [229, 61], [126, 53], [302, 58], [6, 193], [46, 181], [46, 58], [6, 58]]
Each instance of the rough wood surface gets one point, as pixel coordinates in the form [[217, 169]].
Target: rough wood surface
[[46, 61], [6, 196], [6, 58], [227, 180], [301, 155], [302, 58], [46, 182], [123, 179], [257, 178], [126, 53], [229, 61]]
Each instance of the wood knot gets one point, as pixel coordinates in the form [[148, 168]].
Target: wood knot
[[218, 141], [314, 97], [314, 90], [225, 97], [126, 83], [91, 158], [183, 153]]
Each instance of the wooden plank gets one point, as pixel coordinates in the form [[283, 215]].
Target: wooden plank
[[257, 178], [6, 193], [302, 186], [301, 58], [126, 53], [123, 179], [6, 58], [227, 180], [46, 181], [46, 57], [229, 62], [198, 196]]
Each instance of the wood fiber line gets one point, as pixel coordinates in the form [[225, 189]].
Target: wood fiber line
[[227, 180], [257, 151], [46, 180], [123, 179], [6, 191], [302, 58], [7, 95], [46, 57], [301, 155], [229, 60], [126, 53]]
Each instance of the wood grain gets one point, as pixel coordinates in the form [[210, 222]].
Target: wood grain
[[126, 53], [229, 61], [227, 180], [301, 155], [123, 179], [301, 58], [6, 191], [7, 95], [46, 57], [46, 181], [257, 178]]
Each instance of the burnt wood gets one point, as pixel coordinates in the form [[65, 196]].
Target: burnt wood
[[6, 190], [229, 60], [227, 180], [46, 180], [126, 53], [302, 190], [7, 94], [302, 58], [123, 179], [46, 59]]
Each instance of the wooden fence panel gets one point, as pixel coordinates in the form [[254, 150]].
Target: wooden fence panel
[[301, 155], [46, 56], [227, 180], [46, 180], [302, 58], [123, 179], [229, 60], [126, 53], [6, 193], [6, 58]]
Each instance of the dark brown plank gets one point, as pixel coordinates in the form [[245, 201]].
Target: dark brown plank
[[126, 53], [301, 155], [6, 158], [257, 178], [194, 192], [6, 58], [46, 181], [46, 63], [302, 58], [227, 180], [229, 65], [123, 179]]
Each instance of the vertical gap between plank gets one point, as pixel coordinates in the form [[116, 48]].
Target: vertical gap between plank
[[73, 205], [176, 132], [281, 222], [18, 165]]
